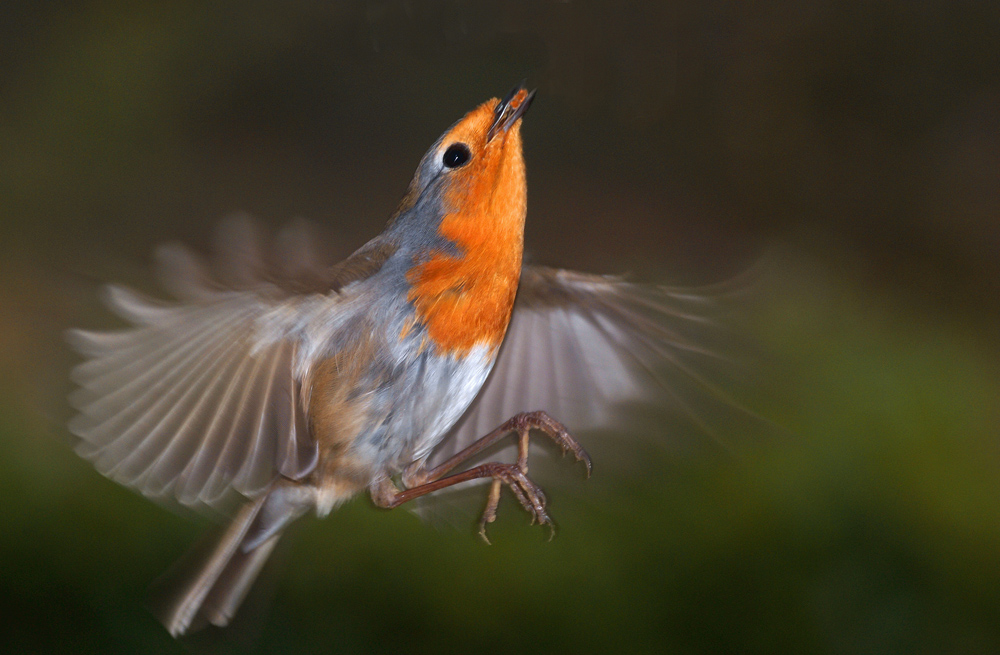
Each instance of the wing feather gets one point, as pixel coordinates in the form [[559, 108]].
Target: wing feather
[[199, 398], [155, 359], [180, 432], [137, 435], [238, 433], [198, 471]]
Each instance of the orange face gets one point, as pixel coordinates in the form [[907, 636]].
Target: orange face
[[465, 300]]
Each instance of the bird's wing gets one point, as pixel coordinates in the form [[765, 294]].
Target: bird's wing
[[199, 397], [586, 348]]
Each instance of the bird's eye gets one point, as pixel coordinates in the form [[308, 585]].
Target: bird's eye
[[456, 155]]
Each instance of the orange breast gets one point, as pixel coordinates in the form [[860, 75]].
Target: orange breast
[[463, 305]]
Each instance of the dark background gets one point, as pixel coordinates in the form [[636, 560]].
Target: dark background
[[847, 151]]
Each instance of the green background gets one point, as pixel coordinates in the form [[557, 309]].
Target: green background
[[848, 151]]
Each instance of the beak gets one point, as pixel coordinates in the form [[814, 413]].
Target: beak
[[509, 110]]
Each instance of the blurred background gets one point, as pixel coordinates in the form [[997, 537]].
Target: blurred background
[[847, 151]]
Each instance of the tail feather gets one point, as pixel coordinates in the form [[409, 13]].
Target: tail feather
[[209, 583], [226, 596]]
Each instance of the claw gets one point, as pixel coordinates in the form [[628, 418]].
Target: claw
[[490, 513], [528, 494], [556, 431]]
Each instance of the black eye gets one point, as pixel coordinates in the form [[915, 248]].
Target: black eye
[[456, 155]]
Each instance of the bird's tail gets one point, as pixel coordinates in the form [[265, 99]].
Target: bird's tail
[[209, 583]]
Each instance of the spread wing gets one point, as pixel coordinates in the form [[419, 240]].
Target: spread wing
[[193, 401], [592, 351]]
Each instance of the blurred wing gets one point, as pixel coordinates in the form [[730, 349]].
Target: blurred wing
[[592, 350], [191, 402]]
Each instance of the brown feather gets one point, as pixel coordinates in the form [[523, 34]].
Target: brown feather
[[339, 410]]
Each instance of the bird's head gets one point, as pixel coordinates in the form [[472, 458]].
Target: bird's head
[[474, 174]]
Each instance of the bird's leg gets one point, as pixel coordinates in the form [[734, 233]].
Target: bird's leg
[[420, 481], [522, 424]]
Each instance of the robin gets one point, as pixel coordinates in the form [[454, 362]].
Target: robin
[[294, 390]]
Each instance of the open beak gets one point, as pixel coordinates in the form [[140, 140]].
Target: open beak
[[509, 110]]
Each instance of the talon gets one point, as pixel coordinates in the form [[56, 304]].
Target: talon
[[528, 494], [482, 532], [490, 513], [556, 431]]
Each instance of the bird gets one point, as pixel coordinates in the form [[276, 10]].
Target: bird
[[291, 388]]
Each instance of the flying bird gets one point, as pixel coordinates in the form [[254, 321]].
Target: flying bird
[[294, 387]]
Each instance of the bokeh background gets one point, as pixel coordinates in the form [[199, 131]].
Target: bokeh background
[[846, 151]]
